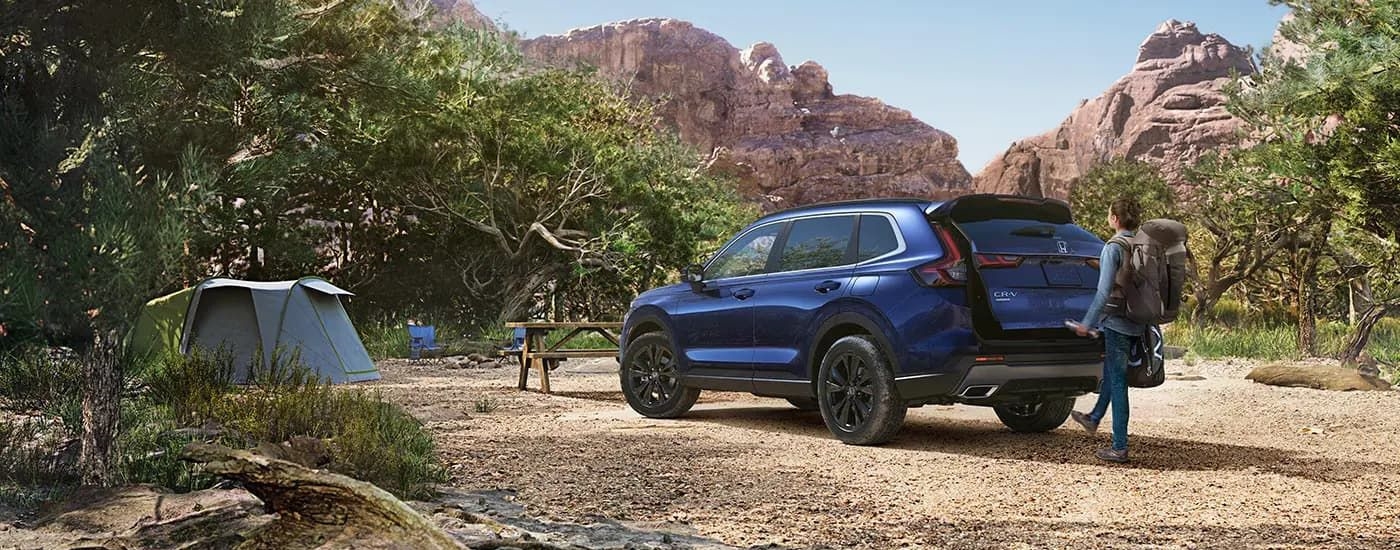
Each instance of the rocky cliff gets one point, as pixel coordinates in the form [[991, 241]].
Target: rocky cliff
[[1167, 111], [781, 130]]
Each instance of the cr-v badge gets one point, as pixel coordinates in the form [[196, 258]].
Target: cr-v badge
[[1003, 295]]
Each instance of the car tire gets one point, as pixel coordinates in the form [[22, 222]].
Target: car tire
[[804, 403], [1036, 417], [857, 394], [650, 381]]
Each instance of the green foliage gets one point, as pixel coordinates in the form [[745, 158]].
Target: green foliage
[[1341, 101], [190, 385], [1108, 181], [370, 439], [179, 399], [36, 380], [433, 171]]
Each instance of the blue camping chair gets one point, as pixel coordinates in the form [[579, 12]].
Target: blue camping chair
[[516, 345], [422, 339]]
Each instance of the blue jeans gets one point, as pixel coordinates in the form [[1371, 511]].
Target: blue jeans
[[1114, 390]]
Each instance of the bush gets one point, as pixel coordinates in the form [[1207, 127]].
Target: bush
[[189, 386], [41, 380], [1229, 312], [369, 438]]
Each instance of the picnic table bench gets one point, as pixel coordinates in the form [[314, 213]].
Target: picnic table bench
[[534, 353]]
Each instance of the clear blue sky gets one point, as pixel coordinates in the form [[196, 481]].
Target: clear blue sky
[[989, 73]]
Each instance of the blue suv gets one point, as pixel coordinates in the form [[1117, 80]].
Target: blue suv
[[864, 309]]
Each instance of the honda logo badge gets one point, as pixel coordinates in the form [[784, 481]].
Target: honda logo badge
[[1064, 247]]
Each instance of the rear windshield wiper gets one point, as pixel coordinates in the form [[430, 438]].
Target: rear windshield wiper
[[1035, 231]]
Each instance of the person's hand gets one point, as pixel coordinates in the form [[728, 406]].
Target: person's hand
[[1082, 330]]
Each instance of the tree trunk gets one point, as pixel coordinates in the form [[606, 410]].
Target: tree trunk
[[1358, 298], [1361, 333], [1307, 320], [102, 378], [1205, 302]]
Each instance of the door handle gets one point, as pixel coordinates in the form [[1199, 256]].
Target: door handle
[[827, 286], [743, 293]]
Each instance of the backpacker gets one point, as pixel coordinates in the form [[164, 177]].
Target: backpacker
[[1148, 287]]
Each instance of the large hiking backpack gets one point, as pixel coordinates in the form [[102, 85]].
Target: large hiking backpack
[[1148, 287]]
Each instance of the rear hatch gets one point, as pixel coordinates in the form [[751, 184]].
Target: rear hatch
[[1029, 267]]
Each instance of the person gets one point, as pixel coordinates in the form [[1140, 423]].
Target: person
[[1119, 333]]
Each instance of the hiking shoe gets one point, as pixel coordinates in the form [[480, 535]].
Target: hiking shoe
[[1083, 420], [1112, 455]]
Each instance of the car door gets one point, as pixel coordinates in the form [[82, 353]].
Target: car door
[[714, 324], [812, 268]]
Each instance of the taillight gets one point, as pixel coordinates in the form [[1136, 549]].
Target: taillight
[[950, 270], [993, 261]]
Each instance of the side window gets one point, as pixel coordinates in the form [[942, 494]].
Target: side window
[[747, 256], [817, 242], [876, 238]]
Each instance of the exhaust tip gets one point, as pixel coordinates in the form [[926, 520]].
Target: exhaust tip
[[978, 392]]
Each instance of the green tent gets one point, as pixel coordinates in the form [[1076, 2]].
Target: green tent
[[245, 318]]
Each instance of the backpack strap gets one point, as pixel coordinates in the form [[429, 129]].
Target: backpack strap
[[1123, 275]]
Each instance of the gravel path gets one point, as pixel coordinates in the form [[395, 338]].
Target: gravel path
[[1218, 461]]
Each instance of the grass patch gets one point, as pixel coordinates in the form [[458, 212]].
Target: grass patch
[[1280, 341], [42, 380], [591, 340], [175, 400], [389, 340], [370, 438], [484, 405]]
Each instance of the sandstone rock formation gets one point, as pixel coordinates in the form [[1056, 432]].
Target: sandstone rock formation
[[456, 10], [1283, 50], [781, 130], [1167, 111]]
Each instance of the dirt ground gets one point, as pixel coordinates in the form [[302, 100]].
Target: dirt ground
[[1218, 462]]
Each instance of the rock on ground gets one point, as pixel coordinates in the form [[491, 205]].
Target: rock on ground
[[1167, 111], [1319, 377]]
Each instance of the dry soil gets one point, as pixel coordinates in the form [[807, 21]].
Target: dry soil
[[1217, 462]]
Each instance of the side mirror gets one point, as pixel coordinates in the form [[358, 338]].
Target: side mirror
[[693, 274]]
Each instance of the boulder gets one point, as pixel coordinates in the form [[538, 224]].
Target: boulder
[[1317, 377], [1167, 111]]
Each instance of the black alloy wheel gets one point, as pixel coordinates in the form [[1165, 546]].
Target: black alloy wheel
[[650, 381]]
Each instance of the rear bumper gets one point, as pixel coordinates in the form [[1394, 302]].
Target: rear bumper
[[1013, 379]]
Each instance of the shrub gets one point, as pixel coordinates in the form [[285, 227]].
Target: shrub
[[189, 385], [37, 379], [1229, 312], [369, 438]]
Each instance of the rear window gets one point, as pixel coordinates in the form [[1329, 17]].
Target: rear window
[[817, 242], [1031, 237], [876, 237]]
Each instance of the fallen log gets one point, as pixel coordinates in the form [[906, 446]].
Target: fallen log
[[319, 509], [1317, 377]]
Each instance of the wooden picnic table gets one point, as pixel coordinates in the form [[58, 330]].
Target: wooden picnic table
[[534, 353]]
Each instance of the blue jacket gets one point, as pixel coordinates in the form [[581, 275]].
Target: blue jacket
[[1109, 260]]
